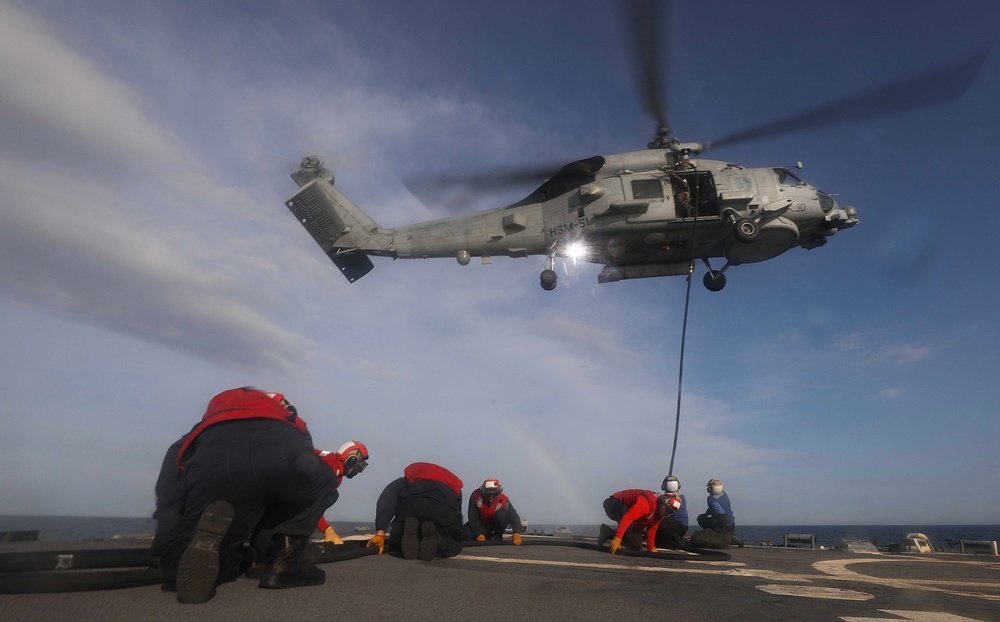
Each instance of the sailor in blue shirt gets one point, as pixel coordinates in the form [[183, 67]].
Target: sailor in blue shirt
[[719, 516]]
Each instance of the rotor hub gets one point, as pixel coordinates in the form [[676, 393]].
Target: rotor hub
[[310, 163], [661, 140]]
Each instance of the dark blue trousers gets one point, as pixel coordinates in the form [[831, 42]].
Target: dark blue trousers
[[493, 530], [447, 519], [268, 471]]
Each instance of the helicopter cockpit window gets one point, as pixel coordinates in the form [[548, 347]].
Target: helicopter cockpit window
[[787, 178], [826, 202], [647, 189]]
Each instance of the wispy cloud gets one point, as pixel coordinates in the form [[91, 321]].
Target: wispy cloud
[[903, 353], [869, 350], [65, 247], [61, 113], [99, 252]]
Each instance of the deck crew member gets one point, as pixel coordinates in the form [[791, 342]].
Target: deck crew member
[[169, 499], [719, 517], [490, 513], [247, 467], [638, 513], [424, 510], [348, 461], [674, 527]]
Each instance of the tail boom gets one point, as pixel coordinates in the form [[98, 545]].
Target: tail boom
[[345, 233], [348, 236]]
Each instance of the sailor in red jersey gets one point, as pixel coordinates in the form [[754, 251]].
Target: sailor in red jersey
[[348, 461], [247, 467], [637, 512], [424, 510], [490, 513]]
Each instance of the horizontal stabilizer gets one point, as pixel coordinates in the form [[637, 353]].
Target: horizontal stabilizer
[[352, 265]]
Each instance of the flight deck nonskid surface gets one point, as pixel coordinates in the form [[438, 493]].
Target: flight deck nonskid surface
[[560, 583]]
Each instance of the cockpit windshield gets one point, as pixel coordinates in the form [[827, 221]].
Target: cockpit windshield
[[787, 178]]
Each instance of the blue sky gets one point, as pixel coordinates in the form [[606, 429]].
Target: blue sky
[[149, 262]]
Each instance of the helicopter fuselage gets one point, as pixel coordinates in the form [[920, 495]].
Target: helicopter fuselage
[[641, 214]]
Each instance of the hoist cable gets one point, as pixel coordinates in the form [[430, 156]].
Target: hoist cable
[[687, 302]]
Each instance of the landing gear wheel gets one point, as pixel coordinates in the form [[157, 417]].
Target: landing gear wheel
[[745, 230], [714, 280], [549, 278]]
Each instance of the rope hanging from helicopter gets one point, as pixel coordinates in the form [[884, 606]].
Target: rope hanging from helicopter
[[684, 198]]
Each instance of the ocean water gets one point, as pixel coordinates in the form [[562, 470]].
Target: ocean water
[[84, 528], [78, 528]]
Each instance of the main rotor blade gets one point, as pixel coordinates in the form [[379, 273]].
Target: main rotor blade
[[462, 191], [927, 88], [646, 26]]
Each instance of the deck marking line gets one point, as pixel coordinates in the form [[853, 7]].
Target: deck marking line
[[834, 570], [811, 591], [540, 562], [838, 569], [913, 616]]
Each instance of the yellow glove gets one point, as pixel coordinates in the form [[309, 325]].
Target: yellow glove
[[329, 535], [379, 541], [614, 545], [517, 539], [481, 538]]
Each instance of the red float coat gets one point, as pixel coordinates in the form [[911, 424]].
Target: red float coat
[[431, 472], [641, 513], [487, 510], [234, 405]]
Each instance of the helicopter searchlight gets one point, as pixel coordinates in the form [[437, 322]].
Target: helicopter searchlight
[[641, 214]]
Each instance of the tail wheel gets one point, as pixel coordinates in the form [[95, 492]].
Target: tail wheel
[[549, 278], [745, 230], [714, 280]]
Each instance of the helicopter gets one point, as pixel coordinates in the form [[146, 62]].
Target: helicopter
[[646, 213]]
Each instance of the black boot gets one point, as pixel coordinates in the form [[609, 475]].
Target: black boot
[[198, 569], [604, 534], [411, 538], [429, 541], [288, 568]]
